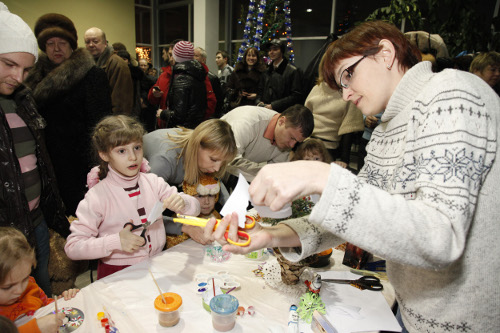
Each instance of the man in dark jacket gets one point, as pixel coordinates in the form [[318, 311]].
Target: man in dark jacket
[[120, 80], [187, 96], [29, 198], [281, 86]]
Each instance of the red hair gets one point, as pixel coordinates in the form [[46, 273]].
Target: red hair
[[365, 40]]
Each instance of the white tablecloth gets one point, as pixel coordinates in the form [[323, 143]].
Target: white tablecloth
[[128, 295]]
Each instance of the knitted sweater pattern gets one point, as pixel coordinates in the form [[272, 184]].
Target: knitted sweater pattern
[[431, 180]]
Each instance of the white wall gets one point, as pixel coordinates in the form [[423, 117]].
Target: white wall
[[206, 29], [115, 17]]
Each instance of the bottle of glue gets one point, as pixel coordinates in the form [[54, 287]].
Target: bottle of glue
[[293, 320]]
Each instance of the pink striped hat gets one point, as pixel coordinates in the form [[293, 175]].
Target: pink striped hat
[[183, 51]]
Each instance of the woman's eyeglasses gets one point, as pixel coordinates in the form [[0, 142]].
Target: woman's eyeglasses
[[346, 76]]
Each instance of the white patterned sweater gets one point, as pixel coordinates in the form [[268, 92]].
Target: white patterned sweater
[[427, 200]]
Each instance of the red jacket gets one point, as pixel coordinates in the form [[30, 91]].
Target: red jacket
[[164, 83], [211, 100]]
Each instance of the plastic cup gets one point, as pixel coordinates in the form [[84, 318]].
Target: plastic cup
[[168, 311], [224, 309]]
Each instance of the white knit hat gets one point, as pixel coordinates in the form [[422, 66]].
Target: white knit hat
[[183, 51], [15, 34]]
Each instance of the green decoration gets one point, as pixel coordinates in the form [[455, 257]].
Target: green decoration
[[300, 207], [310, 302]]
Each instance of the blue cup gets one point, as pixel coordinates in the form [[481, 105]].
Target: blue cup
[[224, 308]]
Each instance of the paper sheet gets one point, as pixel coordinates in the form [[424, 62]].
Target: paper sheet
[[238, 201], [350, 309]]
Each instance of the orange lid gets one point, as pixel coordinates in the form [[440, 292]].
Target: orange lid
[[173, 302]]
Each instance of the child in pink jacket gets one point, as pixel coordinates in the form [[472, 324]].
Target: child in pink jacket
[[123, 195]]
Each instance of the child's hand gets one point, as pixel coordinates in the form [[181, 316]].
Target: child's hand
[[174, 202], [50, 323], [69, 294], [129, 241]]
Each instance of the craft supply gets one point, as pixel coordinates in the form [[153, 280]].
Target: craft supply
[[293, 320], [223, 308], [159, 290], [251, 310], [227, 292], [200, 222], [153, 216], [241, 311], [364, 282], [167, 306], [74, 318], [55, 302], [321, 325], [216, 253]]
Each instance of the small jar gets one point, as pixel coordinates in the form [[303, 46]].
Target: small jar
[[223, 308], [168, 311]]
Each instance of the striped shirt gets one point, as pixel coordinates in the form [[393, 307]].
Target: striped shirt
[[25, 150]]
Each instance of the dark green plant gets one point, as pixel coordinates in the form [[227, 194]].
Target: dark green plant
[[456, 21], [399, 11]]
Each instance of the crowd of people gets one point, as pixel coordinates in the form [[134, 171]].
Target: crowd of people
[[92, 133]]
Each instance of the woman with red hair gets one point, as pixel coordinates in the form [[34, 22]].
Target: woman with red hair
[[426, 199]]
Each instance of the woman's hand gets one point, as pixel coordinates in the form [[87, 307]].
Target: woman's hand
[[50, 323], [277, 184], [70, 293], [175, 203], [250, 96], [259, 237], [157, 93], [129, 241]]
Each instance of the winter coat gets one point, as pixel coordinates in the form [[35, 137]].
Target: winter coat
[[72, 97], [242, 80], [187, 98], [14, 209], [281, 87], [120, 81]]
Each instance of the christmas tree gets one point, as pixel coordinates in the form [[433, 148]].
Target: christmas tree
[[265, 22]]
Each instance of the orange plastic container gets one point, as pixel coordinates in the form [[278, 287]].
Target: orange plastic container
[[168, 313]]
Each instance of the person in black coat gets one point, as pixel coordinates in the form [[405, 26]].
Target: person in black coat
[[243, 84], [187, 96], [29, 197], [282, 83], [72, 95]]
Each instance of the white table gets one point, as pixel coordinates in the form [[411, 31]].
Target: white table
[[128, 295]]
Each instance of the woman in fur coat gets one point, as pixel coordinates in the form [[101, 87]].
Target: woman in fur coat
[[72, 95]]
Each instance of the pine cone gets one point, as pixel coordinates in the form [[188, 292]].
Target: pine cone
[[290, 271]]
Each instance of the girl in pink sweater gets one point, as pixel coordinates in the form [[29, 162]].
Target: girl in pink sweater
[[123, 195]]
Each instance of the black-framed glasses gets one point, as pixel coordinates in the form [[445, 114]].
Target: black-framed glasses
[[346, 76]]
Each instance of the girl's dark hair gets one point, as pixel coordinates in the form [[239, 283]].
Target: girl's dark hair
[[114, 131]]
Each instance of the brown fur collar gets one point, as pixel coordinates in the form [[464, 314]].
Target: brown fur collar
[[47, 80]]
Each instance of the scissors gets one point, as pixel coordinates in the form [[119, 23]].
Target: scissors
[[201, 222], [152, 218], [364, 282]]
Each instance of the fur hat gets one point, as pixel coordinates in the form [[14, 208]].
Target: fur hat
[[208, 185], [15, 34], [55, 25], [183, 51]]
